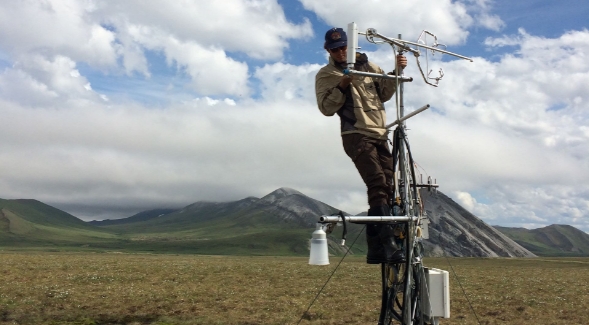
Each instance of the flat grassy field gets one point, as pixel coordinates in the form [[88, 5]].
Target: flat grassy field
[[110, 288]]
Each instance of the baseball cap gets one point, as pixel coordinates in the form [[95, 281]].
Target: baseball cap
[[335, 37]]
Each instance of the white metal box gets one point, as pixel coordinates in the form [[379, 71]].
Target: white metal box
[[439, 293]]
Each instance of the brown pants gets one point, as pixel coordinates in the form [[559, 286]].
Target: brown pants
[[374, 162]]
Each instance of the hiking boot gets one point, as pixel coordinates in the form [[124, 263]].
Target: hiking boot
[[376, 251], [393, 254]]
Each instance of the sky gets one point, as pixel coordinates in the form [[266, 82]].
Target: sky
[[109, 108]]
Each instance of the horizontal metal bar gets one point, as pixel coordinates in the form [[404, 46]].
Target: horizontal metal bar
[[408, 116], [403, 44], [366, 219], [377, 75]]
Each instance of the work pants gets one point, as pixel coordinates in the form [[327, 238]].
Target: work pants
[[374, 162]]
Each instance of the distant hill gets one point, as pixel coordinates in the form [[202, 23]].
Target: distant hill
[[139, 217], [30, 223], [553, 240], [40, 213]]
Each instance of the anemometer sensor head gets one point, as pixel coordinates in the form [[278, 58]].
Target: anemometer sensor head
[[335, 37]]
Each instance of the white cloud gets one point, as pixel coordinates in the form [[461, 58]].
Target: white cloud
[[205, 149], [37, 81], [197, 37], [55, 27], [211, 70], [258, 28], [448, 19], [280, 81]]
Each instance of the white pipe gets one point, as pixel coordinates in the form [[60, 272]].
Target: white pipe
[[366, 219], [408, 116]]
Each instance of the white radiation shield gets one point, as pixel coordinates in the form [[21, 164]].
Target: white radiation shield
[[319, 254]]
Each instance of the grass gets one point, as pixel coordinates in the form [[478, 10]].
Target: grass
[[115, 288]]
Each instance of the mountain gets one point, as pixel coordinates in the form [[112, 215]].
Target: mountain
[[30, 223], [139, 217], [454, 231], [283, 208], [37, 212], [553, 240], [287, 213], [279, 223]]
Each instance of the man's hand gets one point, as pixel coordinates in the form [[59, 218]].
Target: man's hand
[[345, 81], [401, 61]]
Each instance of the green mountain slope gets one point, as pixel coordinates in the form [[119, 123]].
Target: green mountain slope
[[553, 240], [30, 223], [40, 213], [280, 223], [139, 217]]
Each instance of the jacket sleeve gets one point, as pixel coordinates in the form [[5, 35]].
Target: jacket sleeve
[[387, 86], [329, 98]]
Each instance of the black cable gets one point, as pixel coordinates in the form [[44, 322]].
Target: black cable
[[345, 233], [463, 291], [411, 164], [332, 273]]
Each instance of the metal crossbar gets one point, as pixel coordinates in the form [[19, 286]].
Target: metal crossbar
[[367, 219]]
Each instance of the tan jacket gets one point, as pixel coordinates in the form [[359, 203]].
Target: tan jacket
[[367, 98]]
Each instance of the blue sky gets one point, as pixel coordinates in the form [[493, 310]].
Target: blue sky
[[118, 107]]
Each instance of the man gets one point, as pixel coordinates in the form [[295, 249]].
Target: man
[[359, 103]]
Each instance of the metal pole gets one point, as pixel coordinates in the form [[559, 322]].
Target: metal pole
[[377, 75], [408, 116], [400, 70], [367, 219]]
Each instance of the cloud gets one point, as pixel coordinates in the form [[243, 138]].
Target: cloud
[[56, 27], [212, 72], [280, 81], [194, 36], [449, 19], [103, 153], [257, 28], [38, 81]]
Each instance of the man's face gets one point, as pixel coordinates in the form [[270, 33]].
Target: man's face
[[339, 54]]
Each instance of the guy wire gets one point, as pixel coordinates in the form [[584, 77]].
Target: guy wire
[[463, 291], [332, 273]]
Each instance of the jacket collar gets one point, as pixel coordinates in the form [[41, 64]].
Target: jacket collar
[[337, 65]]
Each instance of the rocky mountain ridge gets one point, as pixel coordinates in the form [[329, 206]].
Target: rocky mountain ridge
[[456, 232], [279, 223], [453, 230]]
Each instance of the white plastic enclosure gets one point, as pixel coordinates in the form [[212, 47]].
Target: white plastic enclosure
[[439, 293]]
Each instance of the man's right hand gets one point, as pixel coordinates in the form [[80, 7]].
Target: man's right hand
[[345, 81]]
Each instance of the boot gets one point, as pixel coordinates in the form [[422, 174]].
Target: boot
[[393, 254], [376, 250], [376, 253]]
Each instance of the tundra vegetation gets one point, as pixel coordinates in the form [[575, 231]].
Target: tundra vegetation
[[116, 288]]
